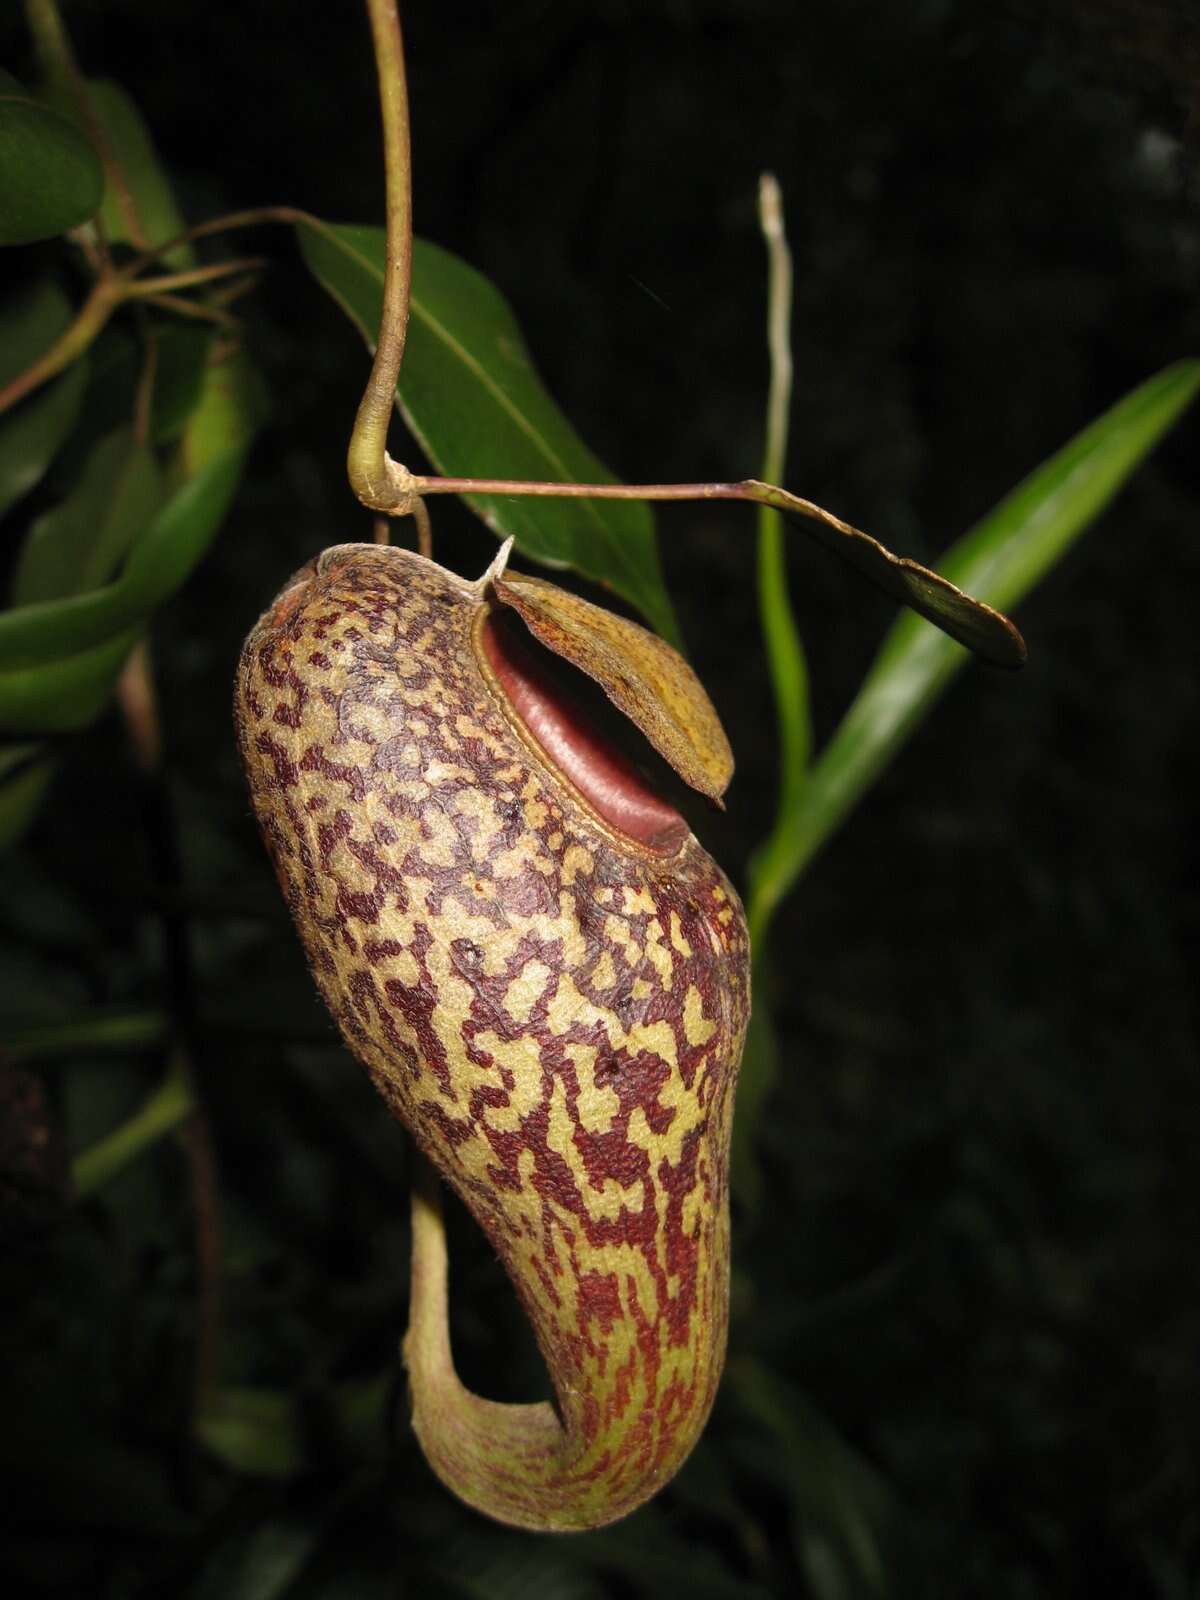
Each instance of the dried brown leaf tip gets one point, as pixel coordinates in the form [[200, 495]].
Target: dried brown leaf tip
[[639, 672]]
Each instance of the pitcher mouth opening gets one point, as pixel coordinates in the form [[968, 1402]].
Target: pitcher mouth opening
[[544, 710]]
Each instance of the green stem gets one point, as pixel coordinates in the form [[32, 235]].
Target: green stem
[[256, 217], [375, 479], [785, 652], [789, 678], [145, 287]]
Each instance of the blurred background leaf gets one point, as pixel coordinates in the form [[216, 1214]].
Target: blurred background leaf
[[33, 432], [50, 177], [77, 546]]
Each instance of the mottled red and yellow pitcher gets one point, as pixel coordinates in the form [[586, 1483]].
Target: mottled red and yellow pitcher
[[545, 975]]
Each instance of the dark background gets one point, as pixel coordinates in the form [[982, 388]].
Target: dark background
[[978, 1259]]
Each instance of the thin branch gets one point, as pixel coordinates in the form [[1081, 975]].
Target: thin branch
[[105, 297], [194, 310], [231, 222], [143, 287]]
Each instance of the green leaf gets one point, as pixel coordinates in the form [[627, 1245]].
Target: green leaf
[[255, 1431], [471, 396], [163, 1110], [33, 432], [90, 1033], [842, 1508], [650, 1554], [78, 545], [265, 1563], [25, 771], [229, 407], [183, 353], [999, 560], [50, 177], [35, 636], [61, 696], [139, 208]]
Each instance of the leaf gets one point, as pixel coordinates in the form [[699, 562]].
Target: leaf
[[843, 1509], [471, 396], [139, 207], [255, 1431], [649, 1553], [230, 405], [163, 1110], [1000, 559], [183, 353], [50, 177], [641, 674], [78, 545], [33, 432], [265, 1563], [34, 636], [982, 628], [64, 695], [25, 771], [89, 1033]]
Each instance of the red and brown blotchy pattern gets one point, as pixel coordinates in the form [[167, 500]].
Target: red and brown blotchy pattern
[[553, 1009]]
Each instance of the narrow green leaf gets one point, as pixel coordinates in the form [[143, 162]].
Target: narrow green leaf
[[659, 1561], [471, 396], [999, 560], [93, 1032], [229, 406], [32, 434], [63, 695], [25, 772], [183, 353], [50, 177], [255, 1431], [78, 545], [165, 1109], [842, 1508], [265, 1563], [33, 636]]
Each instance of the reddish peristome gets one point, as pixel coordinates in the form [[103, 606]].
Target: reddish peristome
[[554, 1008]]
